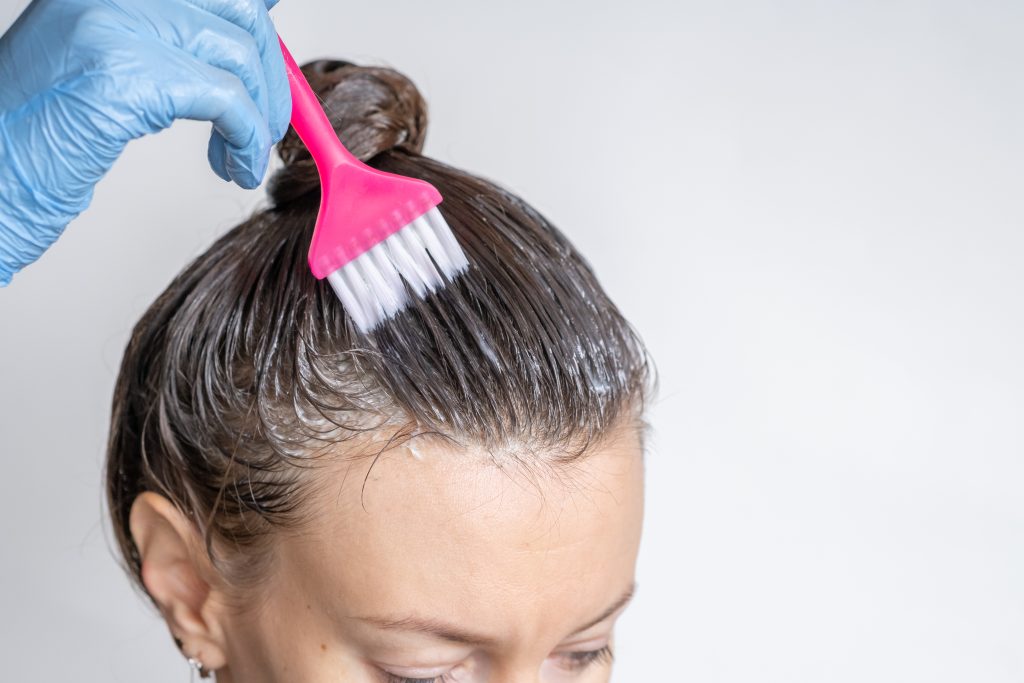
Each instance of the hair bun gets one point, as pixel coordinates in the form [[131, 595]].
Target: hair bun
[[372, 109]]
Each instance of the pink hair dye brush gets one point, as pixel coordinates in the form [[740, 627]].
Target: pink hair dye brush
[[378, 235]]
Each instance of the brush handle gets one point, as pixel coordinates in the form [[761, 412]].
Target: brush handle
[[310, 121]]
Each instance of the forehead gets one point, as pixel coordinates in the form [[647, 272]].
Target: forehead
[[441, 531]]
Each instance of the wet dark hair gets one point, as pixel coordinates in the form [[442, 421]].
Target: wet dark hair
[[246, 369]]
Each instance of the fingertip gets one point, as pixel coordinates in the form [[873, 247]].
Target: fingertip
[[245, 131], [248, 168], [246, 178], [247, 182], [260, 171], [281, 127], [217, 154]]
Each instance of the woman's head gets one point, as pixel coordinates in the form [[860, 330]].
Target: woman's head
[[296, 496]]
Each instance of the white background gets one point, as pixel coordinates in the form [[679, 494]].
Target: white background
[[812, 211]]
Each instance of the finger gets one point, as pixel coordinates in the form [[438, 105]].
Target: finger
[[217, 154], [278, 91], [203, 92], [222, 44], [252, 17]]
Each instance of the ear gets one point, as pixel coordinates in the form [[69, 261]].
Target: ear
[[179, 577]]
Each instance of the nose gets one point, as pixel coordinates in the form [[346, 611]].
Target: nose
[[518, 677], [522, 672]]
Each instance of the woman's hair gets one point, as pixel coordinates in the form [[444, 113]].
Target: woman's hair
[[246, 370]]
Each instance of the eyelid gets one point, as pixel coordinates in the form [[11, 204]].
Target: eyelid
[[611, 618], [416, 671], [595, 643], [581, 643]]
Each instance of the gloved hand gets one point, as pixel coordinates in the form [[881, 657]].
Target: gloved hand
[[79, 79]]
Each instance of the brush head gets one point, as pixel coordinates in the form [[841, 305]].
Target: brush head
[[418, 259], [379, 239]]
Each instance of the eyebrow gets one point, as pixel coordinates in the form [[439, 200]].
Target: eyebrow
[[455, 634]]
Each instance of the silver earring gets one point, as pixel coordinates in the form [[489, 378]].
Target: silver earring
[[195, 666]]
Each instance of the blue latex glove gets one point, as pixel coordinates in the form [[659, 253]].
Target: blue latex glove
[[79, 79]]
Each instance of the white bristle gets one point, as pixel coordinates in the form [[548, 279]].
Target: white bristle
[[383, 300], [426, 233], [426, 269], [422, 255], [446, 237], [396, 295], [348, 298], [401, 255]]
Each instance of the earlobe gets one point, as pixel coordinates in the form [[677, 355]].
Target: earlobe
[[177, 574]]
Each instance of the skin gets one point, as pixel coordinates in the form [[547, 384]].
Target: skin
[[521, 562]]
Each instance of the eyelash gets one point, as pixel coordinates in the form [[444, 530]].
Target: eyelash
[[582, 660], [579, 662]]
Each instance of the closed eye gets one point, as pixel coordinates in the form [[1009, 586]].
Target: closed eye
[[577, 663]]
